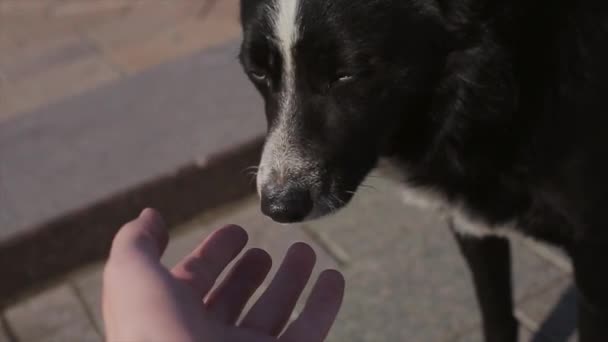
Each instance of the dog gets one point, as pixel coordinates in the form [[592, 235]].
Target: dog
[[493, 112]]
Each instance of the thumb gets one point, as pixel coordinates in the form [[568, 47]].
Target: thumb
[[146, 236]]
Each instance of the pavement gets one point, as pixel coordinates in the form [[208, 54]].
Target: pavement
[[108, 106]]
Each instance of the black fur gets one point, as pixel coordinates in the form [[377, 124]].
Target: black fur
[[500, 106]]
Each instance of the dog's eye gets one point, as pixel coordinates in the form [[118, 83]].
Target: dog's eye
[[344, 78], [258, 75], [341, 79]]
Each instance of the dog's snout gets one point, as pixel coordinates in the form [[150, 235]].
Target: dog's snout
[[288, 205]]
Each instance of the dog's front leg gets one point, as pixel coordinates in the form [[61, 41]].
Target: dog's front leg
[[489, 260], [591, 274]]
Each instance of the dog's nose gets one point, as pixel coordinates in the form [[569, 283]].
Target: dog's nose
[[287, 206]]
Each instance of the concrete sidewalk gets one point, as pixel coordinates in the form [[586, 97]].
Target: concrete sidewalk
[[405, 278], [59, 48]]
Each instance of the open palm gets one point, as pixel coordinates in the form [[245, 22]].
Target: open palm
[[144, 301]]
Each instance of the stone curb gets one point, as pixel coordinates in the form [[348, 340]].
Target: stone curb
[[44, 252]]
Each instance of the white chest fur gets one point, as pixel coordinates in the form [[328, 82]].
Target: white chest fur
[[428, 199]]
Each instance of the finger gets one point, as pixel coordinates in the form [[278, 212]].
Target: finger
[[201, 268], [138, 243], [146, 236], [272, 311], [320, 310], [227, 302]]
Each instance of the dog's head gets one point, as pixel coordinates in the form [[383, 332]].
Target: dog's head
[[340, 78]]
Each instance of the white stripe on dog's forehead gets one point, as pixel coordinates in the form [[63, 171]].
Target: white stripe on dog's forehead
[[281, 153], [286, 30], [285, 19]]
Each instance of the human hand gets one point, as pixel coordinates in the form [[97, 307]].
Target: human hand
[[144, 301]]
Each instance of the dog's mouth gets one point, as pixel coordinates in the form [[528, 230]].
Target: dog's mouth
[[329, 204]]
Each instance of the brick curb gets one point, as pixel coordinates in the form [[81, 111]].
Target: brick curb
[[61, 245]]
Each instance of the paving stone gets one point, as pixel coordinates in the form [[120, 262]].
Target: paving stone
[[55, 84], [14, 7], [29, 31], [78, 7], [395, 251], [146, 20], [55, 315], [27, 64], [24, 54], [26, 25], [403, 293], [554, 311], [185, 38]]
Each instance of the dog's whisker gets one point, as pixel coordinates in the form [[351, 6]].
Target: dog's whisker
[[368, 187], [252, 178], [252, 168], [252, 171], [336, 202]]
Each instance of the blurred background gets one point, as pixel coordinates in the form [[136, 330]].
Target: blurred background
[[110, 106]]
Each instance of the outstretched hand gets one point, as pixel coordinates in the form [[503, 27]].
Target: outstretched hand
[[144, 301]]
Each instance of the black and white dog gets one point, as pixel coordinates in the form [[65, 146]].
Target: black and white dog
[[494, 111]]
